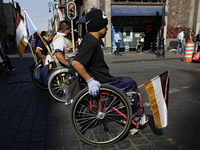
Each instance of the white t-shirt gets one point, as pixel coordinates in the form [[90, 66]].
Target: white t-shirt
[[180, 36], [117, 38], [59, 43], [142, 39]]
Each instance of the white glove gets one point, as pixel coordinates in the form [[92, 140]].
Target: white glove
[[93, 86]]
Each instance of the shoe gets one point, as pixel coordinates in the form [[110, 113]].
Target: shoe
[[13, 69], [177, 54], [144, 120], [115, 52], [68, 103], [141, 52]]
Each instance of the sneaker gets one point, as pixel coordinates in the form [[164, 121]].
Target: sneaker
[[13, 69], [69, 102], [141, 52], [177, 53], [144, 120]]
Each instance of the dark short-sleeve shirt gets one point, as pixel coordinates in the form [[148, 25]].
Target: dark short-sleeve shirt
[[91, 56], [42, 46]]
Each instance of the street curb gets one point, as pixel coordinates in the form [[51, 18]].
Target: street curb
[[159, 59]]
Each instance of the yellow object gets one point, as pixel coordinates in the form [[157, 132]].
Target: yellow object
[[58, 81]]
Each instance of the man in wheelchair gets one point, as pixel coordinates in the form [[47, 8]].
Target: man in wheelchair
[[90, 63], [62, 46]]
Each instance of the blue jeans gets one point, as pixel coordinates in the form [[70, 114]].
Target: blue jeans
[[182, 47], [118, 47]]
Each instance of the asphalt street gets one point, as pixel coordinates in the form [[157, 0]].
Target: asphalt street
[[30, 119]]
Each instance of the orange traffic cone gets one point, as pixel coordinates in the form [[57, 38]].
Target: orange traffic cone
[[196, 57], [189, 50]]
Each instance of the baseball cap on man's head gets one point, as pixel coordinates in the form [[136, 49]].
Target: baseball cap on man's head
[[96, 20]]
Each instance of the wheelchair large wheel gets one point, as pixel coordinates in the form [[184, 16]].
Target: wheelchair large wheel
[[57, 83], [102, 120], [36, 77]]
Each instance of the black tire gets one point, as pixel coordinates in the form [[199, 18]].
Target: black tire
[[103, 127], [57, 83], [36, 77]]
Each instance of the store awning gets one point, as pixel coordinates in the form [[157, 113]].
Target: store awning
[[135, 10], [132, 10], [81, 20]]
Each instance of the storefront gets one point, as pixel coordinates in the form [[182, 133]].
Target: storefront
[[132, 20]]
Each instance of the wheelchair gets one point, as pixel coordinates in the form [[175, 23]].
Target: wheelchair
[[105, 119], [58, 80], [101, 120]]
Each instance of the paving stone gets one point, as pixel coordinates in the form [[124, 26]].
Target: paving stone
[[38, 134], [22, 137], [19, 146], [36, 146], [124, 144], [5, 143]]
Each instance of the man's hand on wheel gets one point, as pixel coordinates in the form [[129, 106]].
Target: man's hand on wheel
[[93, 86]]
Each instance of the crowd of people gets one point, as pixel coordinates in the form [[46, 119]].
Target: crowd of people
[[188, 37]]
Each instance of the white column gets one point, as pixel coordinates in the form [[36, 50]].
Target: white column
[[108, 40], [165, 27], [191, 18], [198, 20]]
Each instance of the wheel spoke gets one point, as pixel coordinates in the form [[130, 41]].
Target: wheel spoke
[[101, 125]]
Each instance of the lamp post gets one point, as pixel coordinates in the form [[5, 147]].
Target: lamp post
[[51, 4], [161, 51]]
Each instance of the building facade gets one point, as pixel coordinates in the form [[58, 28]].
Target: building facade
[[3, 23], [182, 14], [10, 12], [131, 17]]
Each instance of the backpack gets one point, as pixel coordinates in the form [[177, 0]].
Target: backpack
[[138, 40]]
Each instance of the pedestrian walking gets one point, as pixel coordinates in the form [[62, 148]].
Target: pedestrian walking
[[197, 42], [142, 43], [180, 38], [6, 60], [188, 36], [138, 45], [117, 42]]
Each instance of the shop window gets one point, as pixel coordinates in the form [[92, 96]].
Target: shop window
[[145, 1], [119, 0]]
